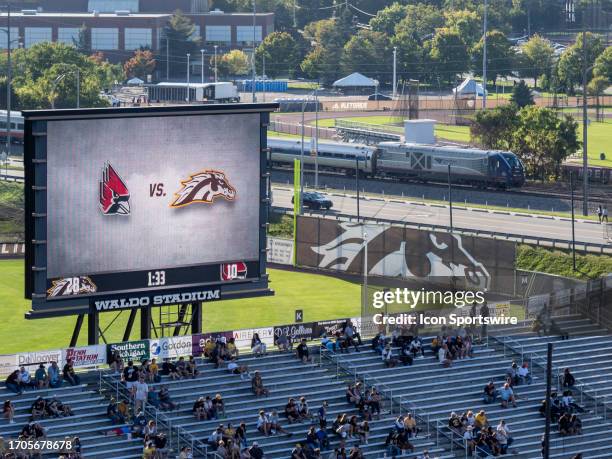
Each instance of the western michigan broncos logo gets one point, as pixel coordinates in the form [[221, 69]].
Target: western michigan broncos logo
[[204, 187], [72, 286]]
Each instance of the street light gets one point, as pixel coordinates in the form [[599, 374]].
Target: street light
[[253, 57], [8, 76], [484, 59], [216, 63], [78, 86], [202, 69], [364, 295], [302, 153], [188, 95]]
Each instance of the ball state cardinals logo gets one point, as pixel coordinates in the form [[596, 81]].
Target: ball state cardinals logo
[[114, 194], [204, 187]]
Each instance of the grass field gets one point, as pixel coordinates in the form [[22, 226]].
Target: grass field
[[320, 297]]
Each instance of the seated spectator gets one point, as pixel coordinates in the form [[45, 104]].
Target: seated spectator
[[165, 401], [181, 367], [506, 394], [480, 420], [113, 412], [241, 434], [502, 435], [302, 352], [352, 335], [57, 409], [186, 453], [236, 369], [322, 437], [33, 431], [416, 347], [69, 374], [363, 431], [373, 400], [169, 369], [565, 424], [154, 376], [454, 422], [263, 423], [391, 443], [258, 347], [257, 385], [199, 411], [222, 450], [341, 343], [387, 357], [575, 427], [138, 424], [144, 370], [116, 363], [568, 378], [13, 383], [218, 406], [490, 393], [215, 437], [291, 411], [8, 411], [512, 375], [524, 374], [444, 356], [39, 409], [378, 343], [298, 452], [403, 442], [150, 429], [53, 373], [436, 344], [327, 343], [192, 367], [148, 451], [141, 392], [124, 409], [255, 451], [312, 441], [232, 350], [303, 409], [209, 346], [153, 397], [25, 379], [568, 403], [41, 378], [283, 343], [405, 356]]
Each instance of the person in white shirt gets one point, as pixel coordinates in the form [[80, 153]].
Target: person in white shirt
[[25, 378], [140, 394], [524, 374], [387, 357], [502, 434], [468, 438], [263, 423]]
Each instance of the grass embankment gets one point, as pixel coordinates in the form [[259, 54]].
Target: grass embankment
[[560, 262]]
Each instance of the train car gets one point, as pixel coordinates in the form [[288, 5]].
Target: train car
[[333, 156], [597, 174], [470, 166], [220, 92], [16, 127]]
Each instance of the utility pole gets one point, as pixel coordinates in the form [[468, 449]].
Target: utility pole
[[216, 63], [585, 124], [546, 446], [263, 75], [188, 95], [450, 198], [573, 228], [317, 136], [394, 71], [8, 79], [253, 57], [357, 183], [78, 88], [167, 59], [484, 59], [202, 69]]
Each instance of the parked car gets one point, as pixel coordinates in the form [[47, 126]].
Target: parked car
[[314, 200], [379, 97]]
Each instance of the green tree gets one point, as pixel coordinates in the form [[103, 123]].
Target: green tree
[[603, 64], [420, 22], [179, 39], [236, 62], [537, 58], [500, 56], [542, 140], [327, 38], [571, 62], [140, 64], [521, 95], [280, 52], [368, 52], [467, 23], [411, 55], [596, 87], [82, 42], [449, 54], [493, 128], [387, 18]]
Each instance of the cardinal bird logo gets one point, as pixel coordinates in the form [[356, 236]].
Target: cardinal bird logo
[[114, 194], [204, 187]]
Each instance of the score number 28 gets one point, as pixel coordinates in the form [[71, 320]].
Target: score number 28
[[156, 278]]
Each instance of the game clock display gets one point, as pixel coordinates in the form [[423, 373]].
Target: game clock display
[[144, 201]]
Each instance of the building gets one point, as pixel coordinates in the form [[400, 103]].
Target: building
[[118, 27]]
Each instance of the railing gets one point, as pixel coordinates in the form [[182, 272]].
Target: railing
[[296, 129], [456, 440], [178, 437], [537, 240]]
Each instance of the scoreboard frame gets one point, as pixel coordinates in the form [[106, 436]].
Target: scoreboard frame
[[120, 289]]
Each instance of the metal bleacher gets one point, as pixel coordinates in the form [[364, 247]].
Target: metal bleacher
[[351, 131]]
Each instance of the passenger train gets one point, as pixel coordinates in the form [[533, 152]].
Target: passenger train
[[16, 126], [470, 166]]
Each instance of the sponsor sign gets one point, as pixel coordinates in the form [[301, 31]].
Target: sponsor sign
[[131, 350], [12, 250], [297, 331], [171, 347], [32, 358], [156, 300], [243, 337], [8, 363], [330, 327], [280, 251], [86, 356], [199, 341]]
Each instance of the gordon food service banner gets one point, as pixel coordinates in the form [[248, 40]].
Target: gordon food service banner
[[170, 347], [86, 356], [136, 351]]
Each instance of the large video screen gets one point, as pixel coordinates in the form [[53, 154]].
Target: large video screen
[[146, 203]]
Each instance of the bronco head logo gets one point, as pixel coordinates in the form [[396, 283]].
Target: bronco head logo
[[204, 187], [72, 286]]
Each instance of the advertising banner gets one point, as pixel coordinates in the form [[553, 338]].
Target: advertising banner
[[12, 250], [170, 347], [199, 341], [297, 332], [86, 356], [280, 251], [330, 327], [136, 351], [8, 363], [243, 337], [33, 358]]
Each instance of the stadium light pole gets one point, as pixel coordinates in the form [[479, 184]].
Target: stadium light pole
[[573, 222], [167, 59], [188, 95], [253, 57], [216, 46], [357, 183], [202, 69], [364, 295], [585, 124], [484, 59], [450, 198], [8, 77], [394, 71], [316, 142]]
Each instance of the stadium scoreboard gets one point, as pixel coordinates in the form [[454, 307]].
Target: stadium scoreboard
[[140, 207]]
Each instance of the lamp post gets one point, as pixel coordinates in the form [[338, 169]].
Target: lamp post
[[357, 183], [573, 227], [450, 198], [302, 153], [484, 59], [254, 73], [8, 77], [188, 95], [202, 69], [216, 63], [394, 71], [78, 86], [364, 295], [316, 92]]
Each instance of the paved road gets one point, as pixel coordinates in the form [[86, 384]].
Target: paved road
[[473, 219]]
